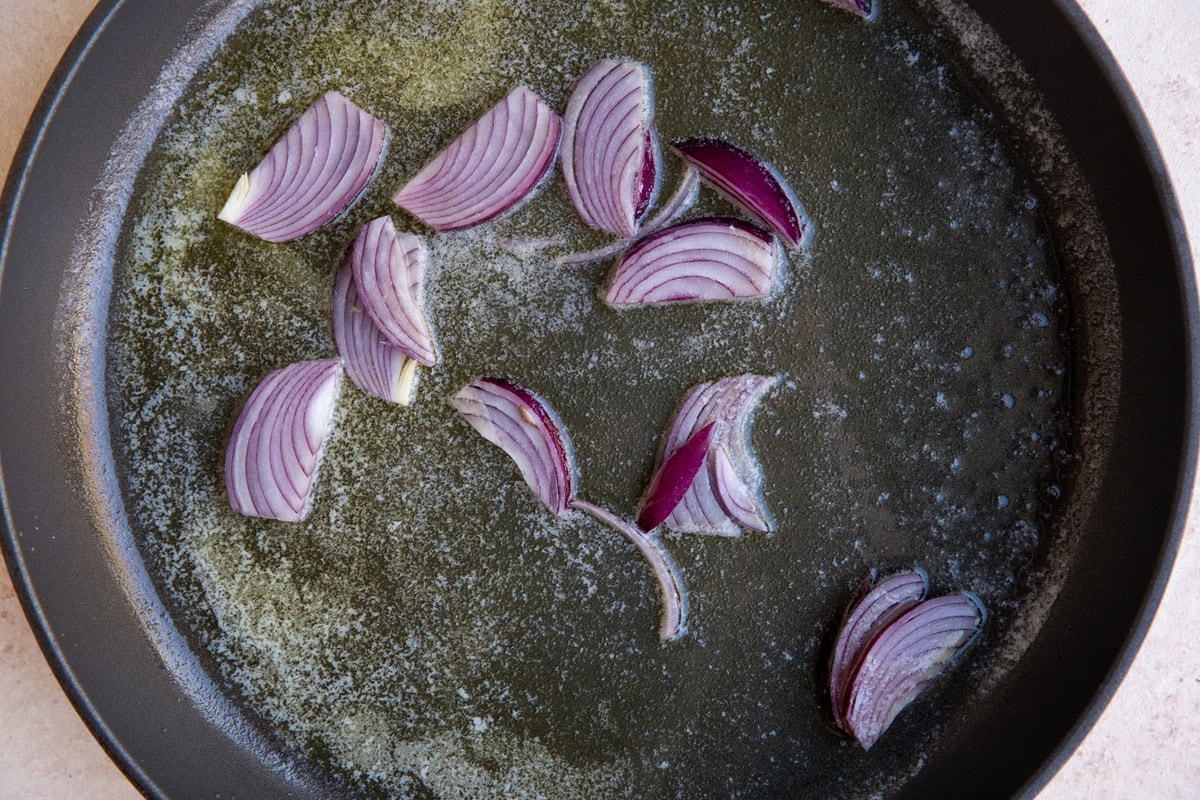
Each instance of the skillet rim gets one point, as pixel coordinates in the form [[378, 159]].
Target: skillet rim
[[94, 28]]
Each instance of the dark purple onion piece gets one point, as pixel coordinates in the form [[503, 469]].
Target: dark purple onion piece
[[714, 258], [905, 658], [750, 183], [673, 623], [860, 8], [275, 450], [872, 611], [673, 478], [523, 425], [489, 168], [313, 173], [607, 142]]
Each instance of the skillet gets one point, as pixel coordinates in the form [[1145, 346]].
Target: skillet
[[1042, 697]]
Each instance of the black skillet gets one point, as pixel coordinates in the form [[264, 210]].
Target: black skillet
[[176, 736]]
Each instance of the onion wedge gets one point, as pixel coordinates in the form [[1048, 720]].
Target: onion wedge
[[870, 612], [673, 623], [905, 658], [389, 274], [714, 258], [525, 427], [750, 183], [278, 441], [725, 496], [610, 152], [311, 175], [489, 168], [866, 9], [372, 364]]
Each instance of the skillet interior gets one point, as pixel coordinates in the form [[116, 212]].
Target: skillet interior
[[1161, 350]]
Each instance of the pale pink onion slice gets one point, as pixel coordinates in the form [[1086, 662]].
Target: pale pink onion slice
[[673, 623], [489, 168], [714, 258], [279, 439], [389, 273], [525, 427], [872, 611], [610, 152], [865, 9], [733, 479], [679, 202], [737, 499], [372, 364], [673, 478], [905, 658], [311, 175], [750, 183]]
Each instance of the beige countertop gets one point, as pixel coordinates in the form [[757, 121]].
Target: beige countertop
[[1147, 743]]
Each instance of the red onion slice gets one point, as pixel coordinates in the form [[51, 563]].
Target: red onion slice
[[311, 175], [389, 273], [278, 441], [673, 623], [489, 168], [716, 258], [371, 363], [673, 478], [871, 612], [726, 404], [750, 183], [905, 658], [521, 424], [609, 155], [859, 8]]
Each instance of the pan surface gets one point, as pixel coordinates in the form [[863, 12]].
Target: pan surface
[[481, 650]]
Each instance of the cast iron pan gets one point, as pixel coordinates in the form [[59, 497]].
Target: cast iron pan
[[110, 642]]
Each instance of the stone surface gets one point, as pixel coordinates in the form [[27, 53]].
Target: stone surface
[[1144, 745]]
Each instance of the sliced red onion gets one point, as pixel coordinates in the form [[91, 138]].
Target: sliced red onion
[[389, 273], [750, 183], [871, 612], [610, 154], [372, 364], [727, 496], [277, 443], [523, 425], [860, 8], [489, 168], [679, 202], [715, 258], [905, 658], [673, 478], [670, 583], [312, 174]]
